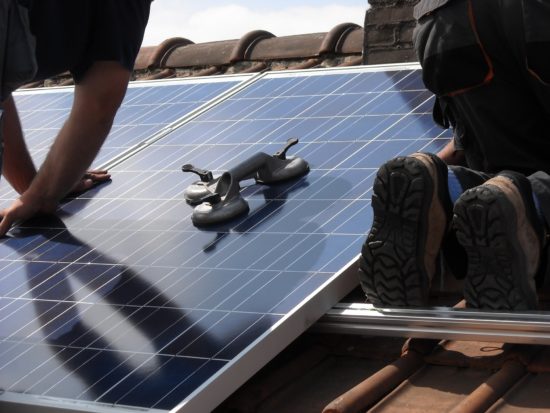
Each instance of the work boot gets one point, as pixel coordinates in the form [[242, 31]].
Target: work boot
[[498, 226], [412, 211]]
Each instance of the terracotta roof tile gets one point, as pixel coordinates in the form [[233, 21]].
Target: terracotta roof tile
[[340, 36], [531, 393], [288, 47], [309, 45], [496, 386], [247, 43], [376, 386], [254, 68], [163, 74], [153, 57], [433, 389], [254, 51], [479, 355], [306, 64], [201, 54], [352, 43]]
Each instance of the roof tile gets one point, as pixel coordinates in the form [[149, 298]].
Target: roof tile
[[531, 393], [288, 47], [336, 38], [433, 389], [370, 391], [479, 354], [491, 390], [151, 57], [201, 54], [241, 50]]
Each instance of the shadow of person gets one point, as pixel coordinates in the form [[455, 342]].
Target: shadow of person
[[83, 198], [125, 339]]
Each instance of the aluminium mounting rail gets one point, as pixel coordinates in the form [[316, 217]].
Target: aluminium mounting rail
[[437, 322]]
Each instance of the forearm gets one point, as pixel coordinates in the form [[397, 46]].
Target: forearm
[[96, 101], [18, 167], [75, 148]]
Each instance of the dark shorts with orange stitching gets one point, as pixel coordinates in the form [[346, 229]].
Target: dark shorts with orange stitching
[[488, 63], [73, 34]]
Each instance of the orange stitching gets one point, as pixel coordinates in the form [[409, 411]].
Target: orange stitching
[[491, 74]]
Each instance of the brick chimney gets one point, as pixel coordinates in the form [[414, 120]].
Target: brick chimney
[[389, 25]]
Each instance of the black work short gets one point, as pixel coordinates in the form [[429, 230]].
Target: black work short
[[488, 62], [73, 34]]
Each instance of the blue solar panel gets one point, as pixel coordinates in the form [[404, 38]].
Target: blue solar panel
[[148, 107], [123, 302]]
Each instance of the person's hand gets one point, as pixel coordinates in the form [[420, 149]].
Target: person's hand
[[31, 204], [89, 180], [23, 208]]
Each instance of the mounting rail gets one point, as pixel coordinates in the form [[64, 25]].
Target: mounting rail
[[437, 323]]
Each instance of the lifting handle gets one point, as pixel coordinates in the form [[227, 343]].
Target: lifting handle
[[204, 175]]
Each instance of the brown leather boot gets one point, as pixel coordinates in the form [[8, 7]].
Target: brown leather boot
[[498, 226], [412, 210]]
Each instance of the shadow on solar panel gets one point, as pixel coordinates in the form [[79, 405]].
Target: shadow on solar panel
[[274, 201], [85, 315]]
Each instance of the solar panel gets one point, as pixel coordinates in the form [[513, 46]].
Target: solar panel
[[123, 303], [147, 109]]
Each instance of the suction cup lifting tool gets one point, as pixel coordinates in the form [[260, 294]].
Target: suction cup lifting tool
[[218, 199]]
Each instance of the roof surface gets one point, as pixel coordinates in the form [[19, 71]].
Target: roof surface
[[350, 373]]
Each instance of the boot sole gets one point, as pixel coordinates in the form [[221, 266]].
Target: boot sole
[[486, 225], [391, 266]]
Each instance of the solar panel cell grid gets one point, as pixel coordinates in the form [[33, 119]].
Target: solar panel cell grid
[[146, 109], [123, 301]]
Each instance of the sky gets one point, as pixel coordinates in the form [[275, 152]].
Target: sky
[[211, 20]]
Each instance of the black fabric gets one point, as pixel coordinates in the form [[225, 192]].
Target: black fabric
[[452, 58], [72, 35], [501, 123], [17, 59], [537, 37]]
